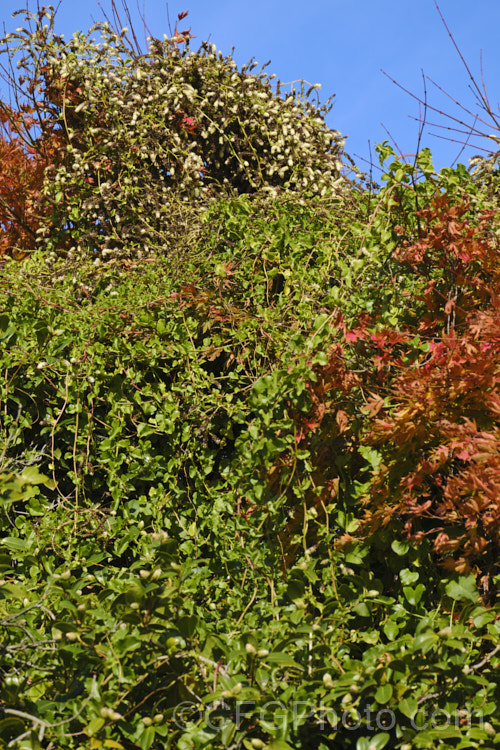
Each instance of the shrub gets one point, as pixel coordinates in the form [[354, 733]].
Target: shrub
[[150, 138], [185, 458]]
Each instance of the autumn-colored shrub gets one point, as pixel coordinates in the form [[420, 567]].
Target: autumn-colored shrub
[[421, 399], [21, 184], [437, 429]]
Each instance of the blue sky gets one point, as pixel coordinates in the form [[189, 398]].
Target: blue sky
[[343, 44]]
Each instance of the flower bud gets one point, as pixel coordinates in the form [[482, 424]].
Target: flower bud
[[489, 729], [327, 680]]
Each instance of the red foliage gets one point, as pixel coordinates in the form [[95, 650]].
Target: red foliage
[[458, 257], [182, 37], [440, 434], [21, 180], [432, 413], [440, 439], [27, 160]]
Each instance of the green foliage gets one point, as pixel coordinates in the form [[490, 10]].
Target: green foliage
[[167, 595], [187, 448]]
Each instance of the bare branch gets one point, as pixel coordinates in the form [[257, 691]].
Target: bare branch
[[486, 659]]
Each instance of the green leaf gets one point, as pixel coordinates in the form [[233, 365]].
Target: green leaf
[[391, 630], [362, 610], [464, 589], [408, 707], [413, 596], [438, 734], [147, 738], [384, 694], [94, 726], [228, 732], [187, 625], [295, 590], [320, 321], [425, 641], [282, 659], [32, 475], [5, 562], [372, 456], [483, 617], [408, 576], [354, 558], [378, 741], [14, 590], [14, 543]]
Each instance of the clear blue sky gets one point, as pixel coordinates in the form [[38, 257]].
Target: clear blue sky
[[342, 44]]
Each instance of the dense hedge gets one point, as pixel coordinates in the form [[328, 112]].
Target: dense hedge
[[248, 498]]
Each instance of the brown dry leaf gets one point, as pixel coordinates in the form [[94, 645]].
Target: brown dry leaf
[[373, 405], [342, 420]]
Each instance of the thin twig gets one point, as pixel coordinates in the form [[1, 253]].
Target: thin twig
[[486, 659]]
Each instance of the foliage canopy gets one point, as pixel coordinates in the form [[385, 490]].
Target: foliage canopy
[[248, 474], [165, 131]]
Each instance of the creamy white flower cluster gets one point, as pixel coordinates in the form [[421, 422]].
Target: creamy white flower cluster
[[149, 133]]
